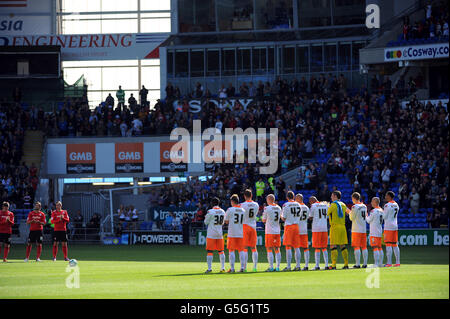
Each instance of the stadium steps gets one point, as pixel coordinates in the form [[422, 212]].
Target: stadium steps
[[32, 148]]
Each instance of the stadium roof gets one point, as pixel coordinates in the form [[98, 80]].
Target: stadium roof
[[268, 36]]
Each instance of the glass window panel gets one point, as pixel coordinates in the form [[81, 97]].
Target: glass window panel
[[119, 5], [288, 59], [155, 25], [346, 12], [243, 60], [96, 97], [155, 15], [316, 58], [344, 56], [153, 95], [235, 15], [81, 27], [154, 62], [127, 77], [197, 15], [81, 5], [271, 61], [259, 60], [120, 26], [330, 57], [314, 13], [170, 63], [150, 77], [212, 61], [197, 65], [155, 5], [181, 63], [228, 61], [302, 59], [271, 14], [355, 54]]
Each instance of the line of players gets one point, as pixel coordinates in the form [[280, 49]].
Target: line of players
[[36, 219], [241, 221]]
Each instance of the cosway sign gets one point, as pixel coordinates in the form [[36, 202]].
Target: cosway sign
[[78, 47], [416, 52]]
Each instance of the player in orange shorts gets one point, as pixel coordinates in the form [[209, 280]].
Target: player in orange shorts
[[303, 234], [375, 220], [318, 214], [214, 236], [234, 217], [290, 214], [271, 217], [251, 209], [390, 212], [359, 233]]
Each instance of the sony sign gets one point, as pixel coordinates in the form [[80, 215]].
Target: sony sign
[[195, 106]]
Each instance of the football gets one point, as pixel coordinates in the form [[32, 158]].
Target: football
[[73, 262]]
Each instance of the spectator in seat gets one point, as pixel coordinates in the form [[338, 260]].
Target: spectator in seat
[[120, 94], [185, 224], [134, 217], [109, 100], [132, 103], [168, 221], [414, 201], [143, 96]]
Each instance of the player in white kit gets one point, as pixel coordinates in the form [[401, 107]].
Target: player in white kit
[[290, 214], [251, 210], [359, 231], [390, 212], [318, 213], [303, 234], [375, 220], [214, 235], [234, 217], [271, 217]]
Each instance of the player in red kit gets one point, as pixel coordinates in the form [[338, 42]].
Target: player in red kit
[[6, 222], [36, 220], [60, 218]]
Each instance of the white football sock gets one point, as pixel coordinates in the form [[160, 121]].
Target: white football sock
[[365, 254], [306, 255], [270, 259], [380, 257], [375, 257], [397, 254], [325, 258], [298, 257], [222, 261], [357, 256], [242, 259], [288, 257], [232, 259], [317, 257], [209, 259], [255, 259], [278, 259], [245, 259], [389, 255]]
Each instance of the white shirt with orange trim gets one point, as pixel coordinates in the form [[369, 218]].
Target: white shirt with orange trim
[[303, 221], [291, 211], [390, 212], [358, 218], [251, 210], [235, 217], [318, 212], [271, 216], [375, 220], [214, 220]]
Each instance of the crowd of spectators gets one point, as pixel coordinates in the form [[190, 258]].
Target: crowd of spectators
[[371, 137], [434, 24], [18, 182]]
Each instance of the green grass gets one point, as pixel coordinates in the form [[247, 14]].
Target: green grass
[[177, 272]]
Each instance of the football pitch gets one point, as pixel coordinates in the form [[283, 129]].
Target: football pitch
[[178, 272]]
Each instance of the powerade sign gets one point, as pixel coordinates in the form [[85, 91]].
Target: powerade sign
[[155, 238], [416, 52], [158, 213]]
